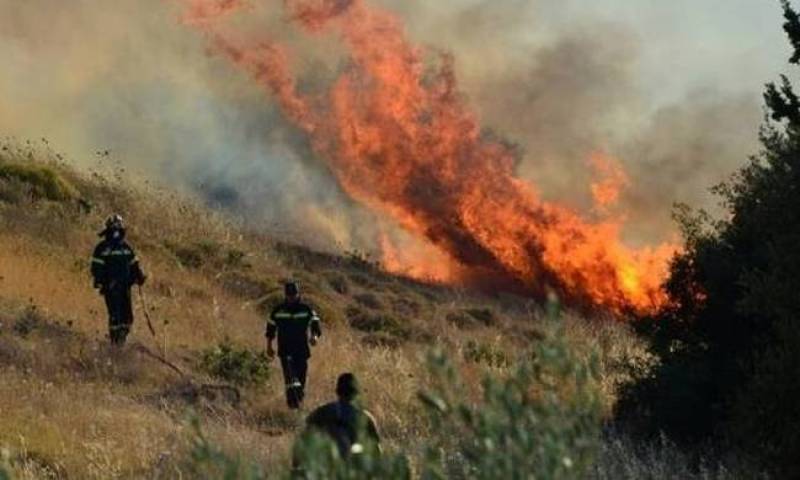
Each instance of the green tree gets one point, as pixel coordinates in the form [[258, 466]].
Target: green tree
[[728, 342]]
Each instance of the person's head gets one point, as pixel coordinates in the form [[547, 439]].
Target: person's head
[[292, 291], [347, 387], [114, 228]]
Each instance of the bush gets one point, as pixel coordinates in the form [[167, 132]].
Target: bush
[[486, 354], [543, 421], [377, 323], [483, 315], [727, 340], [236, 365], [318, 458], [198, 254], [41, 181], [369, 300], [338, 283]]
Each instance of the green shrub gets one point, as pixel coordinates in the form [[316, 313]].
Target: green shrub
[[486, 354], [377, 323], [543, 421], [318, 458], [236, 259], [4, 461], [43, 182], [237, 365]]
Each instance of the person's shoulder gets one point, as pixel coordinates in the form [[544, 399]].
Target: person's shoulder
[[305, 306], [279, 307], [101, 245], [322, 414]]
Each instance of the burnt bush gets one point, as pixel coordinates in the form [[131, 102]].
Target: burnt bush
[[472, 317], [369, 300], [338, 283]]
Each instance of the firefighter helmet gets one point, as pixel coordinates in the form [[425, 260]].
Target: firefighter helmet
[[291, 289], [114, 222]]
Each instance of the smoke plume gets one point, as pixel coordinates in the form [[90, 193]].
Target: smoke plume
[[133, 77]]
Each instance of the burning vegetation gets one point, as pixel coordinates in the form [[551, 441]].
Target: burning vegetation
[[402, 140]]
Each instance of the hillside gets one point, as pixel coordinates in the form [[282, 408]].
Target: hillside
[[72, 407]]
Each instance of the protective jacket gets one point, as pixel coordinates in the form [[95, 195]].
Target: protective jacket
[[346, 424], [114, 265], [291, 322]]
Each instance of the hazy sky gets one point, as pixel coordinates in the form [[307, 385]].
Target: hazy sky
[[733, 44], [683, 44]]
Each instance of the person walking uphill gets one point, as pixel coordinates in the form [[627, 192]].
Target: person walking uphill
[[115, 270], [352, 428], [291, 322]]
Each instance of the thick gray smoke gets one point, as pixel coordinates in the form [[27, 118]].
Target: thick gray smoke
[[560, 81]]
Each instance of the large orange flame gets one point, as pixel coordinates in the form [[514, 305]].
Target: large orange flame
[[401, 139]]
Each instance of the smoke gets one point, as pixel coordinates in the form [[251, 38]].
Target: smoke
[[566, 79], [129, 77], [126, 77]]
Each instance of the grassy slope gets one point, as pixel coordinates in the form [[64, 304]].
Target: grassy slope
[[71, 405]]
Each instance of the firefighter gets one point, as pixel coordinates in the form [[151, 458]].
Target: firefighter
[[115, 270], [352, 429], [291, 322]]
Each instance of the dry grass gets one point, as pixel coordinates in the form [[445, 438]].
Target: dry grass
[[72, 407]]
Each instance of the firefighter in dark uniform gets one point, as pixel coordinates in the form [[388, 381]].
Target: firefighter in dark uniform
[[352, 428], [115, 270], [291, 322]]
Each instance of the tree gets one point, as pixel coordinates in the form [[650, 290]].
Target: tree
[[728, 341]]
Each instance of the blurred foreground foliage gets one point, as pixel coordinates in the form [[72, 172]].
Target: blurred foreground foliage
[[540, 420]]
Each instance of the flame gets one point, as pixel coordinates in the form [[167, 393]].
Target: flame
[[401, 139], [201, 11], [418, 261], [612, 179]]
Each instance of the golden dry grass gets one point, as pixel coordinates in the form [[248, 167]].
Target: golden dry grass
[[69, 406]]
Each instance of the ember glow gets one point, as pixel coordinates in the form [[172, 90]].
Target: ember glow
[[401, 139]]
